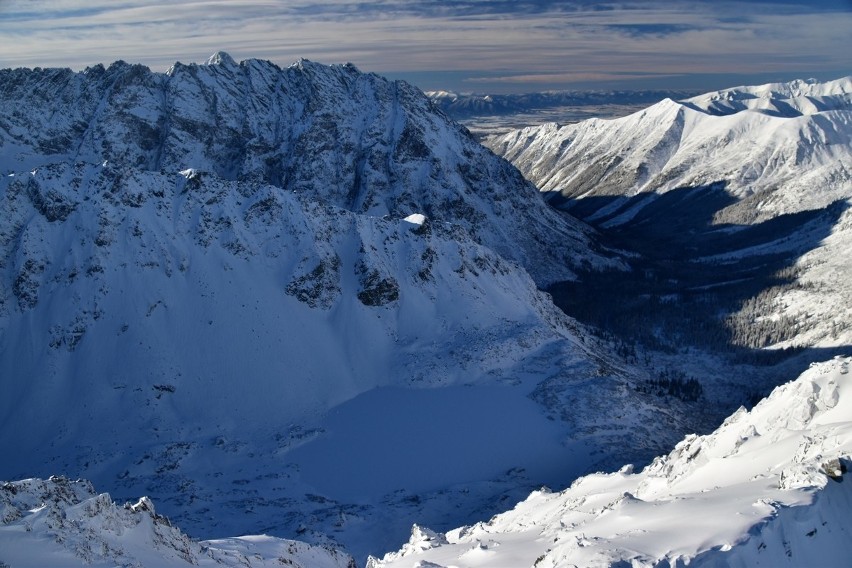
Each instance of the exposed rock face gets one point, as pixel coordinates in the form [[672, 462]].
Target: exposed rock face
[[334, 134]]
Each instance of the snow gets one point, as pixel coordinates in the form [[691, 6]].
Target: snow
[[767, 151], [416, 219], [221, 58], [74, 526], [420, 440], [756, 492], [798, 159], [264, 342], [180, 310], [376, 147]]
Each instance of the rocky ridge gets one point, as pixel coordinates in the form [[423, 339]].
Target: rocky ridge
[[57, 521], [342, 137]]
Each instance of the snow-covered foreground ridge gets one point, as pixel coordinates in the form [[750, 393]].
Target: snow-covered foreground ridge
[[767, 488], [59, 522], [778, 148]]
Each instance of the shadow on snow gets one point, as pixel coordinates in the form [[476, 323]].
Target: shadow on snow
[[695, 283]]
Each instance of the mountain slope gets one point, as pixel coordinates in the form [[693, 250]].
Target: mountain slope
[[778, 148], [153, 324], [768, 488], [209, 278], [343, 137], [734, 203]]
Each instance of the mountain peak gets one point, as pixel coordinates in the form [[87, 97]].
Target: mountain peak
[[221, 58]]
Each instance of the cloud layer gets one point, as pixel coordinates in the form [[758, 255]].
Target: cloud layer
[[468, 45]]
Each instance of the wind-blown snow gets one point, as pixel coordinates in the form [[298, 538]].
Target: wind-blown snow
[[768, 488]]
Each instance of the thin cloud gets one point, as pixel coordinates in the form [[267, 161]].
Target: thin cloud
[[568, 78], [561, 41]]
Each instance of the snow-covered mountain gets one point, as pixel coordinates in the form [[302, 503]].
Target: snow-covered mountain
[[342, 137], [768, 488], [753, 179], [777, 148], [298, 302], [59, 522], [273, 299]]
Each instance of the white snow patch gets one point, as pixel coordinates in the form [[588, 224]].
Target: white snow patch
[[416, 219]]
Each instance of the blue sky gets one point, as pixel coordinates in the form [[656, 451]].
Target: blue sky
[[489, 46]]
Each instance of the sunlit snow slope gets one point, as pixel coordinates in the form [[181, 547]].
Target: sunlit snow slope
[[779, 148], [768, 488]]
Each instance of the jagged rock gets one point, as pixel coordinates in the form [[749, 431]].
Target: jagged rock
[[59, 522], [375, 146], [834, 469]]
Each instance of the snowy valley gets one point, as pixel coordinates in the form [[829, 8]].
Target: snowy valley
[[769, 487], [733, 210], [303, 302]]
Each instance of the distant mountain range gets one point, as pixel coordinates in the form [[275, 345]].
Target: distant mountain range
[[488, 115], [468, 105]]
